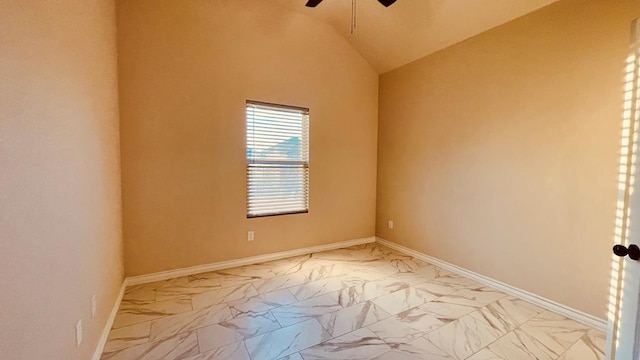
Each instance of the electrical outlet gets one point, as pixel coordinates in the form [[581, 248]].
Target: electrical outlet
[[390, 224], [94, 305], [79, 333], [250, 236]]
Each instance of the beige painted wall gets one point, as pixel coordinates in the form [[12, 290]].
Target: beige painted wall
[[60, 212], [500, 154], [185, 71]]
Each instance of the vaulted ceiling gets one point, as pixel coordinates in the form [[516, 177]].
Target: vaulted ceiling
[[410, 29]]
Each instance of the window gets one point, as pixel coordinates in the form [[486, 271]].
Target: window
[[277, 159]]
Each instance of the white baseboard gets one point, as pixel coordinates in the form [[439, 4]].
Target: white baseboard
[[164, 275], [107, 327], [579, 316]]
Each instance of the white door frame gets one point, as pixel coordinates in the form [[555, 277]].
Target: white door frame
[[623, 333]]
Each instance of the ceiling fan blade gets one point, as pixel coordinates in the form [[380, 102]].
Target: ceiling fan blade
[[314, 3], [386, 3]]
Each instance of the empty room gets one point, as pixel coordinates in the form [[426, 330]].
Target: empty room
[[319, 179]]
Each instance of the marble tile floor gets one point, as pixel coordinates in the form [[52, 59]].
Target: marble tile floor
[[362, 302]]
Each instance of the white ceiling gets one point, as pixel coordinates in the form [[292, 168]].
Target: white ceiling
[[410, 29]]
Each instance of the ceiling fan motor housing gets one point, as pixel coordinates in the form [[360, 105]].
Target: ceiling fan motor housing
[[314, 3]]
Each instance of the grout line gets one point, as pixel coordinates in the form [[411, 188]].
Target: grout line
[[246, 349], [278, 321], [571, 346], [198, 341], [489, 344]]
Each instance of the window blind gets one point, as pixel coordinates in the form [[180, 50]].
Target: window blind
[[277, 159]]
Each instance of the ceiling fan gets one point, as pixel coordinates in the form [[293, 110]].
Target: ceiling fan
[[314, 3]]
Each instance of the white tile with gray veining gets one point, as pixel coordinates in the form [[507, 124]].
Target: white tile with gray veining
[[418, 349], [463, 337], [370, 290], [508, 313], [361, 302], [225, 280], [307, 309], [261, 303], [324, 286], [404, 299], [555, 331], [295, 356], [352, 318], [196, 286], [128, 336], [178, 347], [447, 312], [287, 341], [134, 313], [473, 297], [521, 345], [223, 295], [406, 326], [358, 345], [282, 282], [235, 351], [588, 347], [228, 332], [176, 324]]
